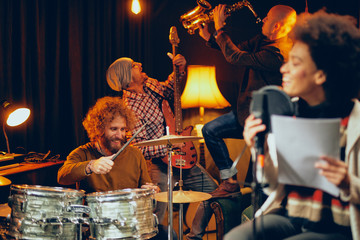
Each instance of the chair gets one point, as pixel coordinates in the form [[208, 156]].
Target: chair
[[229, 211]]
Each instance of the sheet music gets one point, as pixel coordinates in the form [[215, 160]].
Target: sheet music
[[299, 144]]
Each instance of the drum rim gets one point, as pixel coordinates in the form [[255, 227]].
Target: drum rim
[[38, 189], [126, 193]]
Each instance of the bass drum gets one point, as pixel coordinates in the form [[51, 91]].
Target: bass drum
[[122, 214], [39, 212]]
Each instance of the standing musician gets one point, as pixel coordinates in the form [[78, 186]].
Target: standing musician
[[262, 58], [144, 96], [93, 165]]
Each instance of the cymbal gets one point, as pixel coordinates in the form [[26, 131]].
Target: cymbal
[[167, 139], [4, 181], [183, 196]]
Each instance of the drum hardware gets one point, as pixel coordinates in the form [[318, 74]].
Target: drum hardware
[[167, 139], [78, 209], [181, 196], [4, 181]]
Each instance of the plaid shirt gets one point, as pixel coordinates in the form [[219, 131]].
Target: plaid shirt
[[147, 108]]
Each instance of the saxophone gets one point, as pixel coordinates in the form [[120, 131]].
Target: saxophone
[[201, 14]]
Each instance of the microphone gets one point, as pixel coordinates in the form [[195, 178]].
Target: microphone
[[259, 108], [271, 100], [265, 102]]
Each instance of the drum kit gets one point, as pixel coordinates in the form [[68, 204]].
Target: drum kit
[[39, 212]]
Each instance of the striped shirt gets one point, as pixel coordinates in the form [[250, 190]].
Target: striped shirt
[[316, 205]]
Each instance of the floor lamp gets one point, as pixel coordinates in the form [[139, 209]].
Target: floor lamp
[[201, 91]]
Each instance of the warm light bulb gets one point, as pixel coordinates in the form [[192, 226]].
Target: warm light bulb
[[18, 117], [135, 6]]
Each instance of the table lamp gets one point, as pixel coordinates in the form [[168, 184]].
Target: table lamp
[[12, 116], [201, 91]]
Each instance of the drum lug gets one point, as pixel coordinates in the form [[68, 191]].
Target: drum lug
[[118, 224], [156, 220], [78, 209], [43, 223], [154, 203], [133, 207]]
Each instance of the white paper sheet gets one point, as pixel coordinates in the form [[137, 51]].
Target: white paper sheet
[[299, 143]]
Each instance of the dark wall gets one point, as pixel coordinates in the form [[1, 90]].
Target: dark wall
[[54, 54]]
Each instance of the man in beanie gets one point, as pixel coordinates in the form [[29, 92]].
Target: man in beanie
[[144, 96]]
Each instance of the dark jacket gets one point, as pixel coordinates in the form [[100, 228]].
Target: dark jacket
[[262, 59]]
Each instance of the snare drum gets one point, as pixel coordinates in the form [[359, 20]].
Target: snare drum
[[119, 214], [39, 212]]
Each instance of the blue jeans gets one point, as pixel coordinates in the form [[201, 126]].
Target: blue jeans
[[225, 126], [195, 179]]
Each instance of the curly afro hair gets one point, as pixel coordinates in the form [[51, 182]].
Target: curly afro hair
[[334, 44], [102, 113]]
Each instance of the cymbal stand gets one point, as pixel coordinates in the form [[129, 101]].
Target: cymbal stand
[[170, 192], [181, 210]]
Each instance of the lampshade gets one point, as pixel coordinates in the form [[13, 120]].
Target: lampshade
[[201, 89], [12, 116]]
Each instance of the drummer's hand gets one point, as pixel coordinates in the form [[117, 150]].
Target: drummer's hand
[[151, 186], [102, 165], [252, 127]]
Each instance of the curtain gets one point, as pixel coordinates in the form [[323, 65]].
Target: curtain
[[53, 59], [54, 55]]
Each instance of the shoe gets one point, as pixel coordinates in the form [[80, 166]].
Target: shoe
[[226, 189]]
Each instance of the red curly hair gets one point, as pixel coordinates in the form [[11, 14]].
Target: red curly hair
[[102, 113]]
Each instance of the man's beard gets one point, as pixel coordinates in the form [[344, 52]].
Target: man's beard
[[106, 142]]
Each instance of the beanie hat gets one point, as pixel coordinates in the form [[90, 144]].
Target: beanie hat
[[118, 74]]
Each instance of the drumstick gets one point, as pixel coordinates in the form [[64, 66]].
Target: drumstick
[[128, 142]]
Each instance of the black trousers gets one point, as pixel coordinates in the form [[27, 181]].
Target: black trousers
[[274, 226]]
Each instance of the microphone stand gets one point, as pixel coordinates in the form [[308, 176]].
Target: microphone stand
[[258, 161], [258, 172]]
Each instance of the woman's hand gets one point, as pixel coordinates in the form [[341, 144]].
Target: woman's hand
[[252, 127], [336, 171]]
